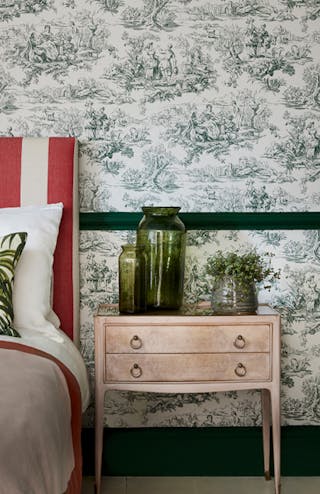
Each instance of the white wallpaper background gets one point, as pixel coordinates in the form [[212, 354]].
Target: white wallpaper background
[[209, 105]]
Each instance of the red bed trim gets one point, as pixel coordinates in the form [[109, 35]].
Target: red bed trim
[[60, 187], [10, 164], [75, 482]]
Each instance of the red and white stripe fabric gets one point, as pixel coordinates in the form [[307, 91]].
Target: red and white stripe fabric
[[37, 171]]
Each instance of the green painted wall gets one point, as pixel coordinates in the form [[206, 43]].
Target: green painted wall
[[201, 452]]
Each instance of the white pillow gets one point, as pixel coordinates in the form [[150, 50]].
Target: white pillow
[[32, 284]]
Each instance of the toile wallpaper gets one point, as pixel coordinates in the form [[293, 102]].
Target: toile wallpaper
[[209, 105]]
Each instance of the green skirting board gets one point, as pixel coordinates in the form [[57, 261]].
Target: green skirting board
[[215, 451]]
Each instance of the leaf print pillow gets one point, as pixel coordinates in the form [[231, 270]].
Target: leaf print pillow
[[11, 247]]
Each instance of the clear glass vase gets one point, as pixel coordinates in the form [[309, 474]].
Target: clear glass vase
[[230, 296], [163, 235]]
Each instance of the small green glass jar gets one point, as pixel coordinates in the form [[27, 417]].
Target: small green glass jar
[[163, 235], [132, 279]]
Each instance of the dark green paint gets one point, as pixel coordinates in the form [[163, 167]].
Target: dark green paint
[[216, 451], [208, 221]]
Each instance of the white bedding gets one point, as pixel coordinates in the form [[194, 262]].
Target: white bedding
[[36, 450], [59, 345]]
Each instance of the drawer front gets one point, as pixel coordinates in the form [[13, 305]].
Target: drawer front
[[187, 339], [187, 367]]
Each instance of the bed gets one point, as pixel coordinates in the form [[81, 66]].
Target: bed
[[43, 380]]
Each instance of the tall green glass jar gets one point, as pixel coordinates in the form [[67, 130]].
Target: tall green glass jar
[[132, 279], [163, 235]]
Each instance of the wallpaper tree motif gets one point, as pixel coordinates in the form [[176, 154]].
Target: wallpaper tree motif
[[296, 295], [209, 105]]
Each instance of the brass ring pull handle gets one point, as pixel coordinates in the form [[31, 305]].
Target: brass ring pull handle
[[240, 370], [239, 342], [136, 371], [135, 342]]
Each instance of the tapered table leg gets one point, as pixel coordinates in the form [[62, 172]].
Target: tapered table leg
[[276, 431], [265, 405], [99, 415]]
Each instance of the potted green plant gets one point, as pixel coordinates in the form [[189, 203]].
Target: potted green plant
[[235, 277]]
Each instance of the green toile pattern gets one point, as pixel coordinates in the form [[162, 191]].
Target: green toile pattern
[[210, 106], [296, 295]]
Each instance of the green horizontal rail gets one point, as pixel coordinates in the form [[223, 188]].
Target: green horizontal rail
[[208, 221]]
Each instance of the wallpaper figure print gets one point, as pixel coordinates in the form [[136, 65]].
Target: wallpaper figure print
[[212, 106]]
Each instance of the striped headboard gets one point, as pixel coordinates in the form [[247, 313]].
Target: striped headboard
[[37, 171]]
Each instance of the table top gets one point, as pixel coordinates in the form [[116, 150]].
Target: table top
[[199, 309]]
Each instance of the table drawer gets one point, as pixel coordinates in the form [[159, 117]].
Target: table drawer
[[187, 338], [187, 367]]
